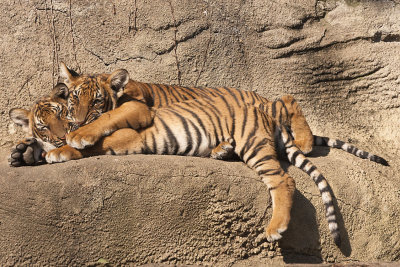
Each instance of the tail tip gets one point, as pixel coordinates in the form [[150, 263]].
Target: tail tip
[[381, 161], [337, 239]]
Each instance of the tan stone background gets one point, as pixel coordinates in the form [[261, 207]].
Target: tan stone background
[[341, 60]]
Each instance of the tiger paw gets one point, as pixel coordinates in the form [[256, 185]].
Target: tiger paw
[[273, 232], [224, 150], [83, 137], [62, 154], [27, 153]]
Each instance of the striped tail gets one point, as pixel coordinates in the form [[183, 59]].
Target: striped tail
[[297, 158], [326, 141]]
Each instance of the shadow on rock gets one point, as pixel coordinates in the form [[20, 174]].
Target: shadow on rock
[[301, 242], [319, 151], [345, 247]]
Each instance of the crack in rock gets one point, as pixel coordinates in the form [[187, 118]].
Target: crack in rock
[[107, 63], [185, 38]]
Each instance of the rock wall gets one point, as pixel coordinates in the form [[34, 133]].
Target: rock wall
[[340, 59]]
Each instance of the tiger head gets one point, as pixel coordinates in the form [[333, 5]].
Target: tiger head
[[47, 119], [91, 95]]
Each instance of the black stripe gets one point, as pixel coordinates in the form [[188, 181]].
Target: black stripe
[[189, 141], [149, 87], [112, 151], [171, 137], [161, 89], [217, 114], [233, 126], [332, 221], [227, 105], [294, 156], [154, 143], [329, 204], [157, 97], [190, 92], [339, 144], [194, 115], [198, 140], [171, 91], [211, 120], [251, 134], [325, 190], [284, 106], [246, 147], [233, 95], [364, 155], [241, 96], [257, 148], [244, 120], [165, 147], [319, 179], [263, 159], [276, 171], [304, 164], [311, 170], [253, 100], [274, 109]]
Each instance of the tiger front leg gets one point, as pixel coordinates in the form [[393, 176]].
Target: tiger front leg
[[27, 153], [133, 114], [121, 142], [62, 154]]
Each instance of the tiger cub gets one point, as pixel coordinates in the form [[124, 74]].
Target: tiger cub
[[91, 95], [46, 125], [195, 127]]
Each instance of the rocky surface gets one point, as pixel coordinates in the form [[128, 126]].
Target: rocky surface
[[153, 209], [339, 58]]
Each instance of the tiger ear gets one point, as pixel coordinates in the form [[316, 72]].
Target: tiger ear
[[20, 117], [66, 74], [118, 79], [60, 92]]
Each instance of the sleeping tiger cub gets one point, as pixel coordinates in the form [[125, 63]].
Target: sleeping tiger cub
[[195, 127], [46, 125], [91, 95]]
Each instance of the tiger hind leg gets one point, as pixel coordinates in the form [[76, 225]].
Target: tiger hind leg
[[281, 187], [303, 137], [263, 159]]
